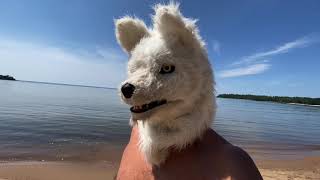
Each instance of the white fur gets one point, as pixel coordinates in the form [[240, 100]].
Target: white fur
[[129, 31], [189, 90]]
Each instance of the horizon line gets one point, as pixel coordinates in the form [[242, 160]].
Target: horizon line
[[65, 84]]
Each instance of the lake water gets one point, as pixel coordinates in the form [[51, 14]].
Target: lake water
[[57, 122]]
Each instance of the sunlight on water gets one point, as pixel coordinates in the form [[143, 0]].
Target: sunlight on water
[[43, 121]]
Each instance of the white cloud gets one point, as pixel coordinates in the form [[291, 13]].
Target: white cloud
[[260, 62], [216, 46], [243, 71], [285, 48], [40, 62]]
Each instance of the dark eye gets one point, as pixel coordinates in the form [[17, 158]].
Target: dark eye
[[166, 69]]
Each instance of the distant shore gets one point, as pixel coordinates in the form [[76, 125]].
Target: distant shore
[[7, 77], [304, 104], [307, 101]]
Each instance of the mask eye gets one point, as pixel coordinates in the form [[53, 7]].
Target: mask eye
[[165, 69]]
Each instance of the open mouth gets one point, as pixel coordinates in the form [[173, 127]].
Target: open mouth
[[146, 107]]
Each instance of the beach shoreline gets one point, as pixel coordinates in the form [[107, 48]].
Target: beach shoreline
[[299, 169], [307, 168], [67, 132]]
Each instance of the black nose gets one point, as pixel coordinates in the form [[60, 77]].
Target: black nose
[[127, 90]]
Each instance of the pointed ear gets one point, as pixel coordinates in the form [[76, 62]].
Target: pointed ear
[[129, 32], [173, 26]]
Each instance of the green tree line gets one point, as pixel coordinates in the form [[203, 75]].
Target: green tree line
[[280, 99], [6, 77]]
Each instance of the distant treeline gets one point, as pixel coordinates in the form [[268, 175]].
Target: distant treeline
[[280, 99], [7, 77]]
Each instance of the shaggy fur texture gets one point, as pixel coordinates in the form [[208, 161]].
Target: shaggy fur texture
[[189, 92]]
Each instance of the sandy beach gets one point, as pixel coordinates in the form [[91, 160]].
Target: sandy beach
[[308, 168], [57, 171]]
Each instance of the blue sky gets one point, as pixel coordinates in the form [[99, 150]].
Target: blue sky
[[259, 46]]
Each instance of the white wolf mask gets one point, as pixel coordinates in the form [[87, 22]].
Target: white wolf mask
[[170, 81]]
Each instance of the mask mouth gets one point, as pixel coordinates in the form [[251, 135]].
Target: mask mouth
[[146, 107]]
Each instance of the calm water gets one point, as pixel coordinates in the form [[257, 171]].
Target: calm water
[[58, 122]]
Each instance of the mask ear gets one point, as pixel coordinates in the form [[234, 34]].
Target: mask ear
[[129, 32], [174, 27]]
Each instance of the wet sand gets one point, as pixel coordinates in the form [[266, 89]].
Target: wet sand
[[308, 168]]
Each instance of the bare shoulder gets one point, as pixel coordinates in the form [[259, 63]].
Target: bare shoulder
[[240, 164], [224, 159]]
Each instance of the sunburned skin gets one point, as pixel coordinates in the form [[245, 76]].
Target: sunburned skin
[[209, 158]]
